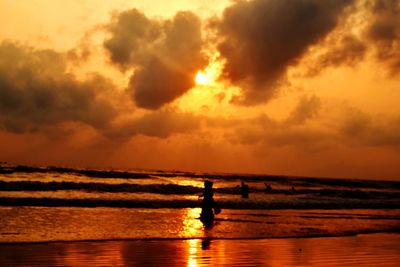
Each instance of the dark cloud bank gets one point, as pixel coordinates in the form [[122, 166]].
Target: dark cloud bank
[[37, 91], [261, 39], [384, 32]]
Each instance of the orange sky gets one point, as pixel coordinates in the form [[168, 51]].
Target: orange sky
[[263, 86]]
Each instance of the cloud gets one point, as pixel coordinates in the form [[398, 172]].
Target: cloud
[[369, 27], [364, 129], [160, 124], [384, 32], [268, 133], [307, 128], [132, 33], [36, 90], [164, 124], [165, 54], [262, 130], [339, 50], [307, 108], [262, 38], [37, 93]]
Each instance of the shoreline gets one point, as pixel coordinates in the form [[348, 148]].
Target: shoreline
[[393, 232]]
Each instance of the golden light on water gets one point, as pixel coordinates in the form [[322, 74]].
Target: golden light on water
[[192, 227]]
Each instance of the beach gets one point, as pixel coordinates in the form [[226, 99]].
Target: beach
[[70, 236], [80, 217]]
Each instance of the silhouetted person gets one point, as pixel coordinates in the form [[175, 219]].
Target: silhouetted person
[[244, 190], [208, 204], [293, 190], [268, 188]]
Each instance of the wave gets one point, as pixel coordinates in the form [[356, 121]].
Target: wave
[[99, 187], [63, 170], [292, 180], [176, 189], [224, 204]]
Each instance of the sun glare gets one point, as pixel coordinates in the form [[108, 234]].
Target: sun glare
[[201, 78], [210, 74], [209, 93]]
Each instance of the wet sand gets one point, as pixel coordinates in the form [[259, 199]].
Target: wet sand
[[362, 250]]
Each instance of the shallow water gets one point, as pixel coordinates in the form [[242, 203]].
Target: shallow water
[[365, 250], [38, 224]]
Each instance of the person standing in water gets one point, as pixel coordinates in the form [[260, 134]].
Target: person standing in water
[[244, 190], [208, 205]]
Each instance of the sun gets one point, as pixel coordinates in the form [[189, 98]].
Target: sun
[[209, 75], [201, 78]]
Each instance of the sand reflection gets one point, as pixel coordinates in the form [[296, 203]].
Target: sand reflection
[[365, 250]]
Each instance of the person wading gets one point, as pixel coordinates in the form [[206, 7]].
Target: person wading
[[208, 205]]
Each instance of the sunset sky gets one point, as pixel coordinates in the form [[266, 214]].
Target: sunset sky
[[291, 87]]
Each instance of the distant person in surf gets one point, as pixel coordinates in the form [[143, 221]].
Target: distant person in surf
[[208, 205], [268, 187], [293, 190], [244, 190]]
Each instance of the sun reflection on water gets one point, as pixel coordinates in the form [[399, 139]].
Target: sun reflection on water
[[192, 227]]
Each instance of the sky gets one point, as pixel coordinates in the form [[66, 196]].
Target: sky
[[286, 87]]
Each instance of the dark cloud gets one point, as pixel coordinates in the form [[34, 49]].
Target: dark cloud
[[262, 38], [307, 108], [132, 34], [353, 128], [355, 122], [157, 84], [37, 91], [384, 32], [84, 49], [164, 124], [165, 55], [161, 124], [378, 33], [268, 133], [339, 50], [305, 131], [364, 129]]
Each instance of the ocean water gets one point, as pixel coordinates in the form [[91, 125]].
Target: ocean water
[[39, 204]]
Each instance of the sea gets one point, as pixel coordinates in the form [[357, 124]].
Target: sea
[[107, 211]]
